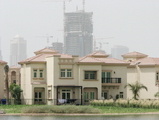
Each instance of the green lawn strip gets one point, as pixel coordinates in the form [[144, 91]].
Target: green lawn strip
[[114, 109], [72, 109], [14, 108]]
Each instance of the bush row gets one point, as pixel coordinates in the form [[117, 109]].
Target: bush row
[[127, 103]]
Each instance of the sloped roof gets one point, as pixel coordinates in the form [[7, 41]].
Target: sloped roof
[[15, 67], [134, 55], [42, 54], [2, 62], [100, 58], [98, 54], [46, 51], [146, 61]]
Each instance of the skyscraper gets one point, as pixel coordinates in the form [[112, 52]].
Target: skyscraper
[[18, 50], [78, 29], [119, 50], [58, 46]]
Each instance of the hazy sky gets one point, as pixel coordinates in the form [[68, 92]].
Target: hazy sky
[[132, 23]]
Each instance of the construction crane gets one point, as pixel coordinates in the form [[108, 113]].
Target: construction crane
[[47, 39], [64, 3], [100, 43]]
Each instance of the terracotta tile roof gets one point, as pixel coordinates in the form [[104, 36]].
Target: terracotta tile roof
[[146, 61], [17, 67], [99, 57], [42, 54], [88, 59], [3, 62], [98, 54], [134, 55], [46, 51]]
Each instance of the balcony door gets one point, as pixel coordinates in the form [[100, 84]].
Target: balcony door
[[106, 77], [106, 74]]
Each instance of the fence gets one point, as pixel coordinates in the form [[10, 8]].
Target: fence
[[45, 101]]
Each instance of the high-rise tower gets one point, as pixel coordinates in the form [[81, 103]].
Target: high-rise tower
[[78, 29], [118, 50], [18, 50]]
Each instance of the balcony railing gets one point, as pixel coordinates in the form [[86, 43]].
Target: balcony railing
[[111, 81]]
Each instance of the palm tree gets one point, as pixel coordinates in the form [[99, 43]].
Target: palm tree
[[6, 69], [135, 88], [157, 95], [15, 91]]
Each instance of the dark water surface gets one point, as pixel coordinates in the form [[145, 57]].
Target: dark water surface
[[126, 117]]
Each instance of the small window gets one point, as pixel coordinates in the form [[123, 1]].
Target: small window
[[14, 81], [62, 72], [91, 95], [121, 95], [157, 76], [66, 73], [41, 73], [90, 75], [35, 73]]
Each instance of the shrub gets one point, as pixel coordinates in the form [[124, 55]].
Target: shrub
[[60, 109]]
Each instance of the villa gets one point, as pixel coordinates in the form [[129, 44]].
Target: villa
[[53, 78]]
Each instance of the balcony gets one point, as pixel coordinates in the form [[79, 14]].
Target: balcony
[[111, 81]]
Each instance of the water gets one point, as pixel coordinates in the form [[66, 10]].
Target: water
[[126, 117]]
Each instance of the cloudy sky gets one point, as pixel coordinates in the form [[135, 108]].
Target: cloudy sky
[[132, 23]]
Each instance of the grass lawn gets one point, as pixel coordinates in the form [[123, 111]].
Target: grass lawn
[[113, 109], [13, 108], [73, 109]]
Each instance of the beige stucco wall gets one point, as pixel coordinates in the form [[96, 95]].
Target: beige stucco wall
[[2, 83], [90, 83], [147, 77], [28, 83]]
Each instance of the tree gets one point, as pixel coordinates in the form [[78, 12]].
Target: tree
[[157, 95], [15, 91], [6, 69], [135, 88]]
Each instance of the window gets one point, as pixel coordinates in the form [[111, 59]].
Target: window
[[66, 94], [66, 73], [106, 77], [35, 73], [106, 74], [14, 81], [38, 96], [89, 95], [90, 75], [92, 95], [41, 73], [121, 95], [38, 73], [157, 76]]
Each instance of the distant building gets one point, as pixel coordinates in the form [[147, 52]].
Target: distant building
[[18, 50], [118, 50], [58, 46], [78, 29]]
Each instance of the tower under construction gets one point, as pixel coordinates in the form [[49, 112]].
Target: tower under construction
[[78, 29]]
